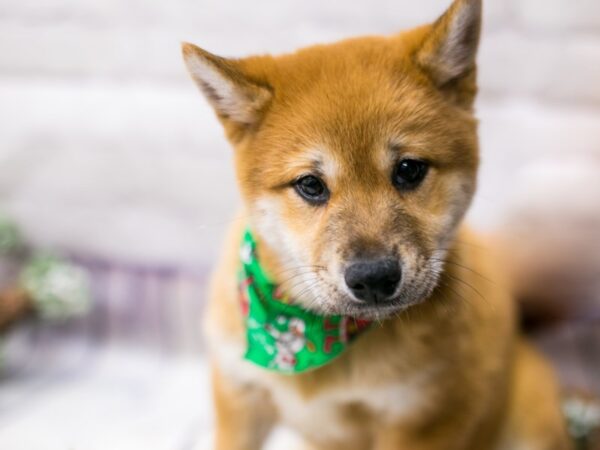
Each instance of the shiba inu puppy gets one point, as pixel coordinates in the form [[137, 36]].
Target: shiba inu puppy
[[360, 311]]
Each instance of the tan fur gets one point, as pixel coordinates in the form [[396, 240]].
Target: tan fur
[[441, 370]]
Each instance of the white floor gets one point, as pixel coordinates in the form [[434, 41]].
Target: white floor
[[73, 396], [113, 399]]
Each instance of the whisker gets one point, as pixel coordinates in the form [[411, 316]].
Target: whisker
[[449, 261], [455, 292], [466, 284]]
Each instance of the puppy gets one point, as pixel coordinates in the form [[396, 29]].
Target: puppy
[[360, 311]]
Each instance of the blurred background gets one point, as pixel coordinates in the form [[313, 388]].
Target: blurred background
[[110, 158]]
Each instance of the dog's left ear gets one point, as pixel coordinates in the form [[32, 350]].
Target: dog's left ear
[[449, 50]]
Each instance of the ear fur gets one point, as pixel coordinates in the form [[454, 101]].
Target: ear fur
[[450, 49], [234, 96]]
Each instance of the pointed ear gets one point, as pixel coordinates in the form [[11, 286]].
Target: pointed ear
[[449, 50], [234, 96]]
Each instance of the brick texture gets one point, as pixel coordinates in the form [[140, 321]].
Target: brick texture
[[103, 135], [558, 16]]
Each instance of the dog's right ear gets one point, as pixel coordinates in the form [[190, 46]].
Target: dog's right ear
[[237, 99]]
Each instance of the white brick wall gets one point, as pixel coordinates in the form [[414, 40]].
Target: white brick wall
[[556, 16], [106, 147]]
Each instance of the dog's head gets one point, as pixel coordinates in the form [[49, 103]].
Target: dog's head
[[356, 160]]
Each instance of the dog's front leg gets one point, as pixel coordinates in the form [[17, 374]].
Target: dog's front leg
[[244, 414]]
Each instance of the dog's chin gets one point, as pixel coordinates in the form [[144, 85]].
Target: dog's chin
[[346, 305], [377, 311]]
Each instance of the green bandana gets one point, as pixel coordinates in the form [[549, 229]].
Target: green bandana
[[282, 336]]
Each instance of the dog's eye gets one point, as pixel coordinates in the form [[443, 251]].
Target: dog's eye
[[312, 189], [409, 173]]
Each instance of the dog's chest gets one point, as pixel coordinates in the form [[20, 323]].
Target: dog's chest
[[335, 414], [346, 408]]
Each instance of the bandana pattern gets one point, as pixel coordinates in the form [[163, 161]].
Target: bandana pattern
[[281, 335]]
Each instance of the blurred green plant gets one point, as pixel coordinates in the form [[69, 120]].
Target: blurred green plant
[[583, 421], [10, 238], [46, 285], [58, 289]]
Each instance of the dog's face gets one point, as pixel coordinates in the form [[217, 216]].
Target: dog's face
[[356, 160]]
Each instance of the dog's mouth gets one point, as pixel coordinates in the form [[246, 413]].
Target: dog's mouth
[[382, 309], [379, 311]]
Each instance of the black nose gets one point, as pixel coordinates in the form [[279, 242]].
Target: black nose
[[375, 280]]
